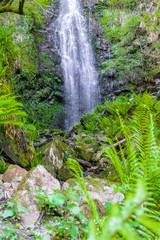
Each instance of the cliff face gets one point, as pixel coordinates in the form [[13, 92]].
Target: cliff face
[[125, 45], [101, 47]]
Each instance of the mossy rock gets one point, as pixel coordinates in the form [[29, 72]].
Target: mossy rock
[[110, 174], [64, 173], [3, 166], [84, 151], [58, 132], [15, 150], [51, 155]]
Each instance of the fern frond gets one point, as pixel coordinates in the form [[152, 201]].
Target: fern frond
[[113, 156], [74, 166]]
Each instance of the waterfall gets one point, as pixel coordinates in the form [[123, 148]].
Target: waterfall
[[77, 61]]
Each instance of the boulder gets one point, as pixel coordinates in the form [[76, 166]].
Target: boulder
[[100, 190], [52, 155], [110, 174], [64, 173], [15, 147], [25, 194], [13, 172], [84, 151]]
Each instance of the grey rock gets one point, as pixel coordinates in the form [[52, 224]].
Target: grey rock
[[100, 190]]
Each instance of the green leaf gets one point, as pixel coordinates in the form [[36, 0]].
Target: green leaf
[[74, 208], [7, 230], [56, 199], [107, 206], [83, 218], [9, 212], [74, 231], [22, 209], [72, 196]]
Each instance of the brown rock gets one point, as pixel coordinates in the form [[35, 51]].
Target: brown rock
[[12, 172]]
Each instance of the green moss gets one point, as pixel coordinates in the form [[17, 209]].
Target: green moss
[[84, 151], [64, 173], [110, 174], [3, 166], [23, 161]]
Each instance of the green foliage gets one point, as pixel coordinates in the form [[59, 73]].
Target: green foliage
[[105, 120], [78, 174], [10, 231], [3, 167], [7, 56], [120, 3], [133, 32], [12, 210], [11, 111], [140, 158], [3, 164], [129, 222], [71, 221], [41, 95]]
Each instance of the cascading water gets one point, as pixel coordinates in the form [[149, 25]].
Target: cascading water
[[80, 77]]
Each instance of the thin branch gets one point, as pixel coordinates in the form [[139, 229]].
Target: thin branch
[[45, 10]]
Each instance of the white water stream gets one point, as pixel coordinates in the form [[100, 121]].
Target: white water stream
[[80, 76]]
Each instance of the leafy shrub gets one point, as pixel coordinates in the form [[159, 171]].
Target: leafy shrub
[[70, 220]]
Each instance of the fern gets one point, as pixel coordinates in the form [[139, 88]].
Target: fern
[[129, 222], [11, 110], [142, 158], [121, 222], [75, 167]]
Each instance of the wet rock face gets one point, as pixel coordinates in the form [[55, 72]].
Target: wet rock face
[[101, 47], [16, 150], [48, 45]]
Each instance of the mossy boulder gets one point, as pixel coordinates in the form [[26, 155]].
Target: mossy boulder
[[51, 155], [64, 173], [16, 148], [84, 151], [110, 174]]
